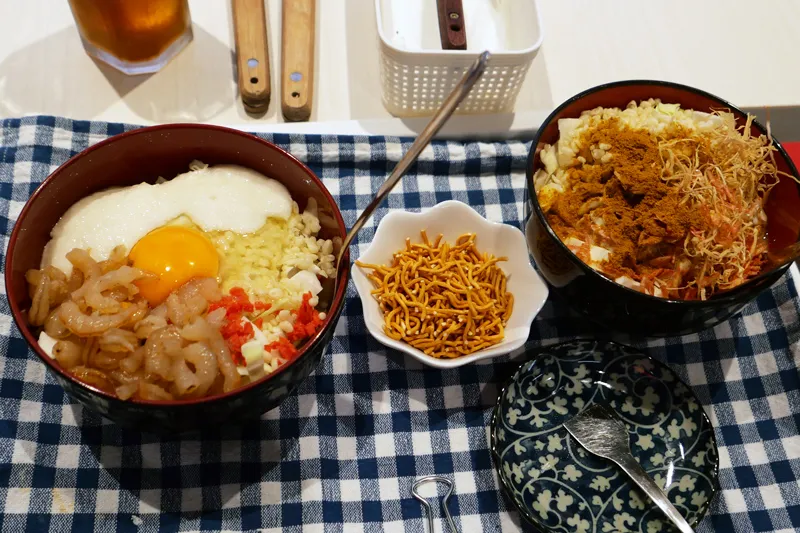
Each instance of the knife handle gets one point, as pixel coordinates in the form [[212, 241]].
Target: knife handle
[[252, 54], [297, 58], [452, 31]]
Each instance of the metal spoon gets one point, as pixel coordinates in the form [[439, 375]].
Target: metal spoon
[[460, 91], [600, 431]]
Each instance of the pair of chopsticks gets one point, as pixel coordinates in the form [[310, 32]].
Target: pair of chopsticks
[[298, 26]]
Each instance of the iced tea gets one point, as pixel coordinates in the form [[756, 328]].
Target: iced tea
[[135, 36]]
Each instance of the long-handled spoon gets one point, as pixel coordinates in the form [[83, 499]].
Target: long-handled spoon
[[456, 96], [460, 91]]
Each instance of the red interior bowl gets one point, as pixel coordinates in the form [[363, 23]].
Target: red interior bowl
[[618, 308], [142, 156]]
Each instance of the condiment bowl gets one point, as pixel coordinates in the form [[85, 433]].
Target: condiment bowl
[[453, 219], [144, 155], [604, 301]]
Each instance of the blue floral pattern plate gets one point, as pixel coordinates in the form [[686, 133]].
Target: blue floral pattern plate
[[557, 485]]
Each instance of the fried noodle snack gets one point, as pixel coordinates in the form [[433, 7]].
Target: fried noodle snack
[[447, 301]]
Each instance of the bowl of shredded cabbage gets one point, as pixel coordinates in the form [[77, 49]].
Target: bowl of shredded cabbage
[[654, 206]]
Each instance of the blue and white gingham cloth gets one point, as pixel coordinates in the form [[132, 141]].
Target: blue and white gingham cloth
[[341, 454]]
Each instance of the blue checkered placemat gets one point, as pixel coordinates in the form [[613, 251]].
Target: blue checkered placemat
[[341, 454]]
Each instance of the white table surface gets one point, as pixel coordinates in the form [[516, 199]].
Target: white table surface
[[740, 50]]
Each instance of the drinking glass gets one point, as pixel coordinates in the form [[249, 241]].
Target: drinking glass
[[134, 36]]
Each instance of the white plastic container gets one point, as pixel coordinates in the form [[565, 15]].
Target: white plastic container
[[416, 74]]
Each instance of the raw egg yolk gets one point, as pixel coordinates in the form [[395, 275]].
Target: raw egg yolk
[[176, 255]]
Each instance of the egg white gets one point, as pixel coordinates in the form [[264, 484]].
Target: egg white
[[223, 197]]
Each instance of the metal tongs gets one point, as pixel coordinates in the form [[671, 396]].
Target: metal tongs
[[428, 509]]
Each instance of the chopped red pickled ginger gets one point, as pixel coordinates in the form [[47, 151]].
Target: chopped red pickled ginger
[[237, 332], [307, 320], [285, 348]]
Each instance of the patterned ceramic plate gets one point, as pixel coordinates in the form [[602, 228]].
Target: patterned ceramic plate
[[560, 487]]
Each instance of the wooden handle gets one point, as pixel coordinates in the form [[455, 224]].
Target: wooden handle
[[452, 31], [252, 53], [297, 58]]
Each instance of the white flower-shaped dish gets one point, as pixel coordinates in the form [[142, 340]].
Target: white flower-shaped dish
[[452, 219]]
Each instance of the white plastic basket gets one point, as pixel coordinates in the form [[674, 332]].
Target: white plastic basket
[[417, 75]]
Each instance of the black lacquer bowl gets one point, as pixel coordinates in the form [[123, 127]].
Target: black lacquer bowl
[[144, 155], [618, 308]]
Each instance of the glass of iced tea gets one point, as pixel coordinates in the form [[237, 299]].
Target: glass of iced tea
[[134, 36]]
